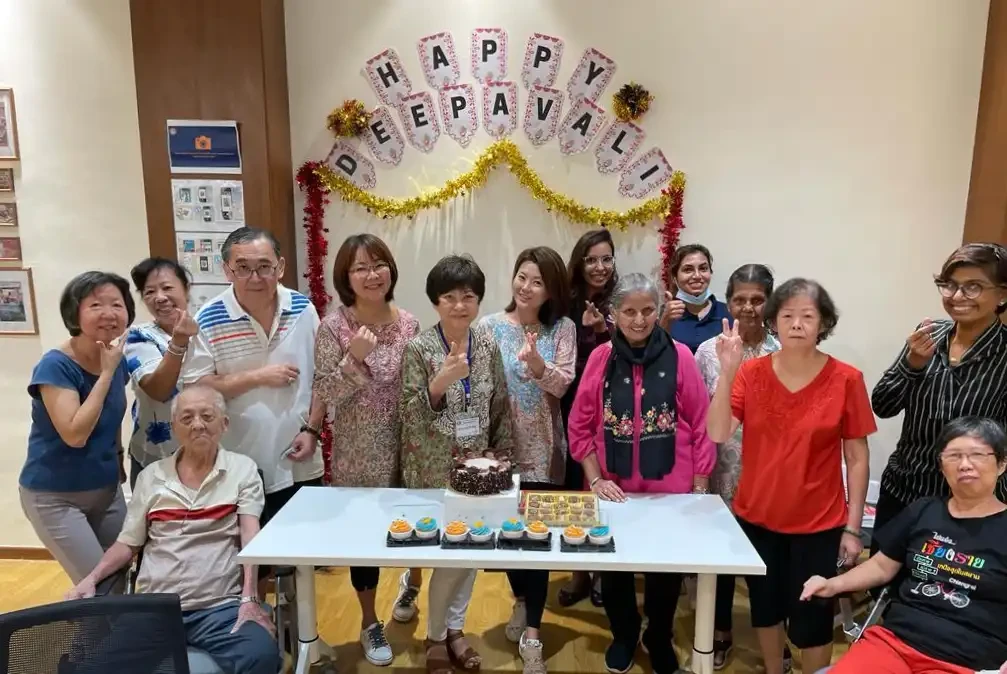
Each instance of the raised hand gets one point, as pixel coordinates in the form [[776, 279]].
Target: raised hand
[[185, 328], [730, 347], [673, 309], [455, 366], [362, 344], [921, 345], [593, 318], [530, 356], [278, 376], [111, 354]]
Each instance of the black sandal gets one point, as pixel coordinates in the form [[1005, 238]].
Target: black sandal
[[721, 651]]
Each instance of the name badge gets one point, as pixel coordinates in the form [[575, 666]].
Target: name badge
[[466, 426]]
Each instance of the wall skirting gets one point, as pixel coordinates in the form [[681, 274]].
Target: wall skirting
[[24, 553]]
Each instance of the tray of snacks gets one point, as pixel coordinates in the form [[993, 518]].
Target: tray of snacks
[[595, 539], [460, 536], [515, 535], [403, 534], [560, 508]]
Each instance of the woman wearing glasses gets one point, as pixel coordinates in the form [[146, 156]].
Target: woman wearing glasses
[[947, 369], [358, 375]]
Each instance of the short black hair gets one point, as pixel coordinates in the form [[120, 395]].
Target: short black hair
[[986, 431], [82, 285], [754, 274], [146, 267], [813, 289], [455, 272], [247, 235]]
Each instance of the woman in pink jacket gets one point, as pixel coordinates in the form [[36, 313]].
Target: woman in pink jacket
[[638, 425]]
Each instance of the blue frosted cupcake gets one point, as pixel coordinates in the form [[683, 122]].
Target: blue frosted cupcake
[[480, 533], [512, 528], [599, 535], [426, 528]]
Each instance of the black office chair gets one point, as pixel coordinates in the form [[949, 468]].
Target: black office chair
[[139, 634]]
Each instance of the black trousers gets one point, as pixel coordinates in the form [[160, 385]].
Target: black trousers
[[660, 599], [364, 578], [723, 617], [532, 587]]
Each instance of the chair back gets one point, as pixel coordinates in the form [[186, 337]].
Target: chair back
[[139, 634]]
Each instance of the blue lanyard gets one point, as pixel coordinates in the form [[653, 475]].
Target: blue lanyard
[[468, 355]]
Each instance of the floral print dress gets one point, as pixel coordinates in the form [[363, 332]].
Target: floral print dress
[[724, 480], [429, 442], [363, 398], [540, 445]]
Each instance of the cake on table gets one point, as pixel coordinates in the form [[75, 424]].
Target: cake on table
[[480, 476]]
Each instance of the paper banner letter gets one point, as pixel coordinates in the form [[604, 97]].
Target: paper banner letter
[[388, 77], [489, 54], [500, 108], [542, 57], [458, 112], [350, 164], [440, 64], [580, 126], [419, 118], [592, 75], [648, 172], [384, 139], [617, 146], [542, 113]]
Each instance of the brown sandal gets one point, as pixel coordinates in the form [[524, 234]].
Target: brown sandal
[[438, 657], [469, 660]]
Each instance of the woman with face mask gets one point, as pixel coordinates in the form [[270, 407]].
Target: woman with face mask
[[638, 426], [691, 313]]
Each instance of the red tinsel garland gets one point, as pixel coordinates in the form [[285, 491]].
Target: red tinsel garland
[[672, 228], [316, 198]]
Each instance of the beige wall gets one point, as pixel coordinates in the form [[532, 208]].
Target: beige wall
[[79, 187], [826, 139]]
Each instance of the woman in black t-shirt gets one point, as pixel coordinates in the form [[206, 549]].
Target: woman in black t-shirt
[[950, 612]]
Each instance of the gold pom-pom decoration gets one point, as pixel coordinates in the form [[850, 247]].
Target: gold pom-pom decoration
[[631, 102], [348, 120]]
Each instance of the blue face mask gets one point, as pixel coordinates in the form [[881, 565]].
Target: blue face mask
[[696, 300]]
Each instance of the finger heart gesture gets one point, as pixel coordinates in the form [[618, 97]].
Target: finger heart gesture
[[592, 316], [921, 345], [185, 326], [362, 344], [456, 364]]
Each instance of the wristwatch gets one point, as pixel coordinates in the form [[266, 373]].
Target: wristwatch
[[314, 431]]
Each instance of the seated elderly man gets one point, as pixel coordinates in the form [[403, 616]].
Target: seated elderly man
[[188, 513]]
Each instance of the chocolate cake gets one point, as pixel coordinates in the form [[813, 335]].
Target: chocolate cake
[[480, 477]]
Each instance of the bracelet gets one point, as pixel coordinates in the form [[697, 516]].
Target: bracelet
[[249, 600], [176, 350], [696, 489], [593, 482], [314, 431], [851, 532]]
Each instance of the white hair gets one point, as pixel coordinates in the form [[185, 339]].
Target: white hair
[[631, 284], [217, 396]]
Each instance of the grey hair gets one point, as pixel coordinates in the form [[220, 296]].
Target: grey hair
[[630, 284], [247, 235], [217, 396]]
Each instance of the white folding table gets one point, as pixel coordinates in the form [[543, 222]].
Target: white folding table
[[327, 526]]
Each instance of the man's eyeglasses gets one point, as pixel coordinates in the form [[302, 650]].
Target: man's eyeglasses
[[243, 271], [604, 261], [970, 289]]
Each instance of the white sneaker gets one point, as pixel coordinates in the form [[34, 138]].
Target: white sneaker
[[405, 608], [376, 648], [518, 621], [531, 653]]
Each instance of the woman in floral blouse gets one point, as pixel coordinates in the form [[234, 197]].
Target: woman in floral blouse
[[748, 288], [592, 275], [358, 374], [454, 404], [538, 344]]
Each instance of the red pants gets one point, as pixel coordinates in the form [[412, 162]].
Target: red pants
[[881, 652]]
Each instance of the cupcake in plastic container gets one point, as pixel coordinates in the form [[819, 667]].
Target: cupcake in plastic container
[[456, 531], [574, 535], [426, 528], [512, 528], [538, 531], [599, 535], [400, 530], [480, 533]]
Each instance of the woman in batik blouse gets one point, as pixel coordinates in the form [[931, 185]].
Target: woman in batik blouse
[[454, 405], [748, 288], [538, 344], [358, 374]]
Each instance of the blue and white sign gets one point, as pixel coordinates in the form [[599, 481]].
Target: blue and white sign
[[200, 146]]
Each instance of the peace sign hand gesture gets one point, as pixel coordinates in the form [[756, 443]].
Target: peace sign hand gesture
[[730, 348], [530, 356], [921, 345]]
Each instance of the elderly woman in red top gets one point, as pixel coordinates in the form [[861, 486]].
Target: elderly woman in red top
[[638, 425], [801, 410]]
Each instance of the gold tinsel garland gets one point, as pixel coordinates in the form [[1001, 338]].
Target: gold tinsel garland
[[500, 152]]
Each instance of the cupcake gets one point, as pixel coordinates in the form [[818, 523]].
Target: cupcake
[[538, 531], [456, 531], [599, 535], [480, 533], [574, 535], [512, 528], [426, 528], [400, 530]]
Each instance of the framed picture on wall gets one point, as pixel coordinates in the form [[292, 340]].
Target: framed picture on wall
[[6, 180], [17, 303], [10, 249], [8, 125], [8, 215]]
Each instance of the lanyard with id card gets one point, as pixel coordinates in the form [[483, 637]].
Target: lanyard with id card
[[466, 423]]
